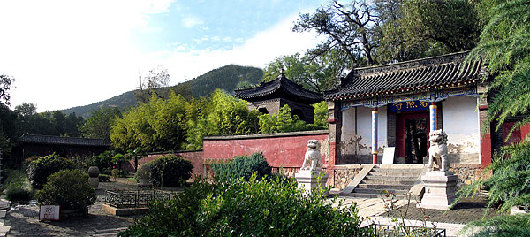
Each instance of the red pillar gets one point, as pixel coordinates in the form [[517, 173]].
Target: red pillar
[[485, 139]]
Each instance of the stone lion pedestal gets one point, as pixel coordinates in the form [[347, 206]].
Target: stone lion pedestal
[[311, 180], [439, 183], [311, 177], [440, 188]]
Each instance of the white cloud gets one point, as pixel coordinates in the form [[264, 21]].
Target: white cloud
[[191, 21], [257, 51]]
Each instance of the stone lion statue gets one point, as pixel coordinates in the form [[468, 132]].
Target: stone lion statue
[[313, 159], [438, 151]]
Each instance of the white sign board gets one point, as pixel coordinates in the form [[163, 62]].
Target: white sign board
[[49, 212], [388, 155]]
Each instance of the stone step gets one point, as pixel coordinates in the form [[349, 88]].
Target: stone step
[[396, 174], [362, 195], [385, 187], [391, 177], [379, 191], [109, 232], [4, 230], [419, 171], [388, 181]]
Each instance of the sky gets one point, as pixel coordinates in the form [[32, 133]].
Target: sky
[[66, 53]]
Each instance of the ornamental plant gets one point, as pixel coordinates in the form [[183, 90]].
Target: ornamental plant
[[170, 171], [69, 189], [17, 187], [509, 183], [39, 169], [242, 166], [257, 207]]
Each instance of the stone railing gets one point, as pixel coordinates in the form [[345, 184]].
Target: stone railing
[[135, 198]]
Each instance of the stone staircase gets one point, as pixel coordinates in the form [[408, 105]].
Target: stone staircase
[[396, 179]]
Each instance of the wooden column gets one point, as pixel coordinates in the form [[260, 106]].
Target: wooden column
[[374, 135]]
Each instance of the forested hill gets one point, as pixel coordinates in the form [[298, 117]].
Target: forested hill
[[226, 77]]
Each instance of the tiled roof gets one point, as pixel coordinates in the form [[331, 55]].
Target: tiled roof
[[420, 75], [56, 140], [280, 87]]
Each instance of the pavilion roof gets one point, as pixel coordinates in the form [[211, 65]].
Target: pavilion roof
[[409, 77], [279, 88]]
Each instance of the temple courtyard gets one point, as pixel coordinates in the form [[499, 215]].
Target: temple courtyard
[[23, 220]]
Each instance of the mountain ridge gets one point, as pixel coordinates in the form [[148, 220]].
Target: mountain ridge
[[227, 77]]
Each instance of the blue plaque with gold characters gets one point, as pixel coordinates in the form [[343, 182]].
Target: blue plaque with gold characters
[[409, 106]]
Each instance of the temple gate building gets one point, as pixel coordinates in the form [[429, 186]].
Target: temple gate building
[[397, 105]]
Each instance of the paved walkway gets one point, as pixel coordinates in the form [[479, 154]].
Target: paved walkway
[[24, 219]]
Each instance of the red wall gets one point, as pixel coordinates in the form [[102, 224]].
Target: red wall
[[517, 136], [281, 150]]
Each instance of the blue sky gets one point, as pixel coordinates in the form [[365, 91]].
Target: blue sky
[[65, 53]]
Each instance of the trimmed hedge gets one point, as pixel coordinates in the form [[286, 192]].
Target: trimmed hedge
[[242, 166], [170, 171], [69, 189], [39, 169]]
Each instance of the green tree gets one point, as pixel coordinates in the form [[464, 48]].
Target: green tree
[[505, 47], [99, 124], [316, 73], [281, 122], [152, 84], [5, 86], [26, 109], [383, 31], [230, 116], [353, 29], [155, 126], [420, 28], [321, 114]]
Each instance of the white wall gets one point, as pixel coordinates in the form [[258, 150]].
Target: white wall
[[360, 143], [461, 122]]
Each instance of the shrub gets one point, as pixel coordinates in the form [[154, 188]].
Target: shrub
[[104, 178], [509, 185], [506, 226], [17, 187], [242, 166], [255, 207], [39, 170], [18, 194], [69, 189], [170, 171], [143, 173], [104, 161]]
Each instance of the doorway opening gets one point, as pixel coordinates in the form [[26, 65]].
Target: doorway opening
[[412, 136]]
